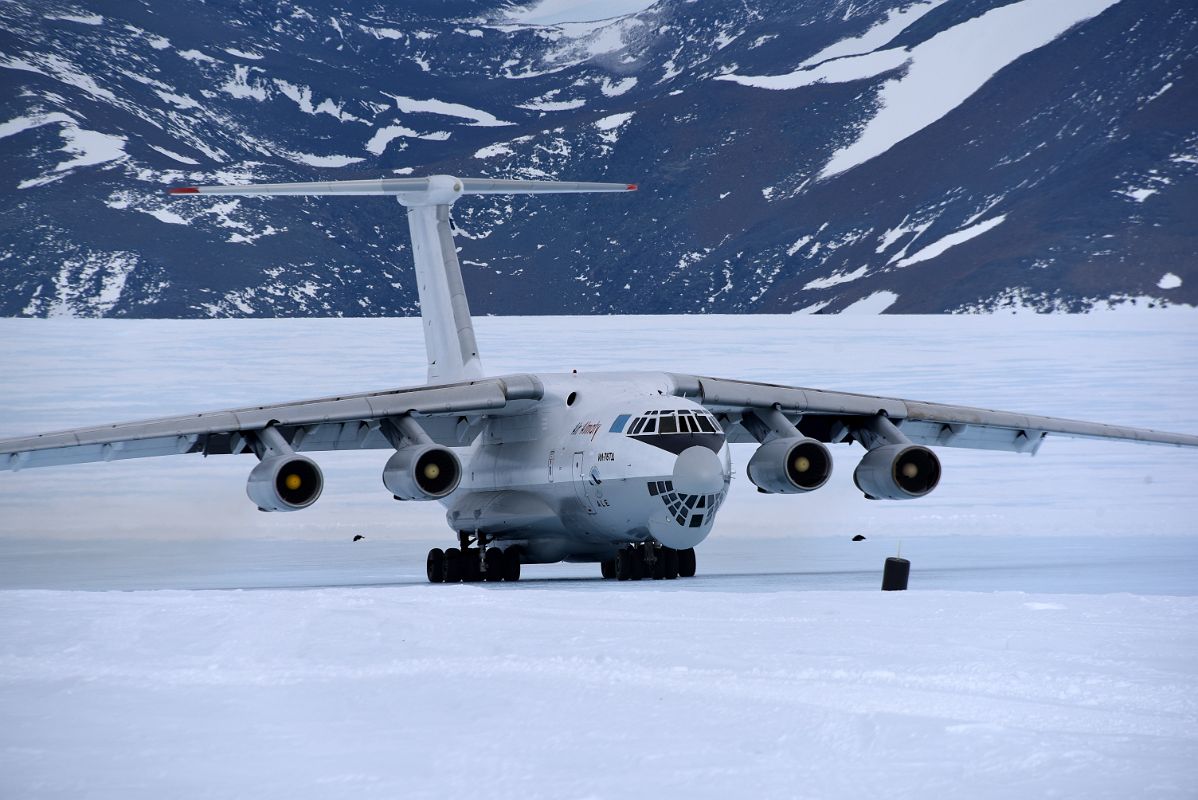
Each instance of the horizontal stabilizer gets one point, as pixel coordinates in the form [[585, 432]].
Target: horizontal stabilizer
[[433, 190]]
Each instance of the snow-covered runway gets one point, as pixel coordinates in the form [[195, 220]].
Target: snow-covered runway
[[595, 689], [1047, 647]]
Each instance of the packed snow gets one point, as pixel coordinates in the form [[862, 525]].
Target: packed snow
[[1046, 647]]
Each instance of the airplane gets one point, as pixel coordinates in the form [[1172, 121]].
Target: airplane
[[626, 469]]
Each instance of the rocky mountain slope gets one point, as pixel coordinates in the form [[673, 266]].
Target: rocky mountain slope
[[870, 155]]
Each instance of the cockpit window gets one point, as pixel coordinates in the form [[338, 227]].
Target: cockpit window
[[681, 421]]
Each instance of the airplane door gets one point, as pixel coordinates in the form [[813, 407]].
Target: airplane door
[[582, 487]]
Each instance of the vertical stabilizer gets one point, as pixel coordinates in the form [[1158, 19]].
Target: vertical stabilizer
[[448, 331]]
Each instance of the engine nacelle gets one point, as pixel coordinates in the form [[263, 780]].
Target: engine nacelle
[[285, 483], [422, 472], [897, 472], [790, 466]]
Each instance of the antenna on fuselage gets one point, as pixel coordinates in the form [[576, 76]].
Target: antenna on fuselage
[[448, 329]]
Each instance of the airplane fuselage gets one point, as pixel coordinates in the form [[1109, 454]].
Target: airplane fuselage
[[582, 474]]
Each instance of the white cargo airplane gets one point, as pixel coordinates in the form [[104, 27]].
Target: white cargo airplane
[[627, 469]]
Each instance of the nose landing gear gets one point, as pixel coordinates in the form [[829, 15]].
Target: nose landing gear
[[636, 562], [472, 564]]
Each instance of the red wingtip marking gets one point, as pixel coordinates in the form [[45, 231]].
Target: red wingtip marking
[[632, 187], [183, 190]]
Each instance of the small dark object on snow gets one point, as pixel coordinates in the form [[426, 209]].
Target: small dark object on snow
[[358, 537], [858, 538], [895, 574]]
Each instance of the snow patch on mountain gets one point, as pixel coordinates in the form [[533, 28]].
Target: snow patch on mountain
[[837, 278], [952, 65], [410, 105], [1168, 281], [897, 20], [876, 303], [939, 246], [556, 12]]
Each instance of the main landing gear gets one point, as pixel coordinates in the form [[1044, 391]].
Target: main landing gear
[[635, 562], [473, 564]]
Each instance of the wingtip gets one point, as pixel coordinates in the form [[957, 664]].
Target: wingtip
[[183, 190], [632, 187]]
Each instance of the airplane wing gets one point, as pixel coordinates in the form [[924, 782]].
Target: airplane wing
[[841, 416], [446, 414]]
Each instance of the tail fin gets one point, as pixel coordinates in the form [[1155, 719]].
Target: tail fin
[[448, 330]]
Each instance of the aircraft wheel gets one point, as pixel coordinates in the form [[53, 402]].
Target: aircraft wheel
[[607, 568], [434, 567], [511, 564], [494, 565], [636, 562], [471, 567], [658, 568], [669, 557], [686, 563], [453, 565], [624, 564]]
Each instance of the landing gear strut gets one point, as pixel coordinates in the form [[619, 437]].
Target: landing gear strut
[[470, 564], [637, 561]]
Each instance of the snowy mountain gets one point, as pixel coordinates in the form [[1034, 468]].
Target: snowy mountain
[[942, 155]]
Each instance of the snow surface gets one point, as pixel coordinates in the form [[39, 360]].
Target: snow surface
[[727, 685], [1036, 662]]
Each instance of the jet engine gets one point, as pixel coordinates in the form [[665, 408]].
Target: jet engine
[[422, 472], [285, 483], [897, 472], [790, 466]]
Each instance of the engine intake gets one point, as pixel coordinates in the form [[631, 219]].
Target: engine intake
[[285, 483], [422, 472], [897, 472], [790, 466]]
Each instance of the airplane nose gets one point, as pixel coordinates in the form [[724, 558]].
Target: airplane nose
[[698, 471]]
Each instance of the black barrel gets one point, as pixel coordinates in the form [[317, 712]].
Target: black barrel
[[895, 574]]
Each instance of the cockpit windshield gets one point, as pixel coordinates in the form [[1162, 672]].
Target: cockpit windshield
[[667, 422]]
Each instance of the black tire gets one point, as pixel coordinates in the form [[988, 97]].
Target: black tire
[[607, 568], [670, 558], [658, 569], [637, 563], [624, 564], [686, 563], [434, 566], [472, 571], [453, 565], [511, 564], [494, 565]]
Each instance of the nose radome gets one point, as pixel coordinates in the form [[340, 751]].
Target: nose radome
[[698, 471]]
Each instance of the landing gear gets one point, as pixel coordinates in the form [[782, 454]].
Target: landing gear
[[686, 563], [434, 567], [635, 562], [468, 564]]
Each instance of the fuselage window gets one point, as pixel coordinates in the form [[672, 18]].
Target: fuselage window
[[669, 424]]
